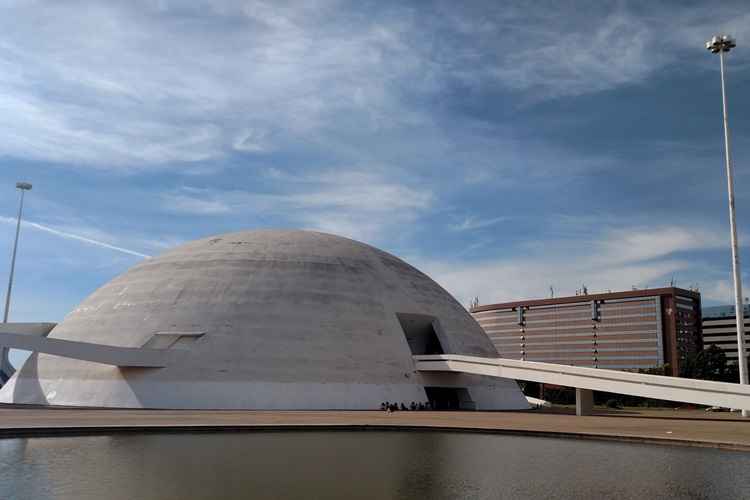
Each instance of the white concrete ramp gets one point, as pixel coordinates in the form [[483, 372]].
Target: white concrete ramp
[[85, 351], [683, 390]]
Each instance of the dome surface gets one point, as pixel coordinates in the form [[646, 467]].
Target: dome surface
[[266, 319]]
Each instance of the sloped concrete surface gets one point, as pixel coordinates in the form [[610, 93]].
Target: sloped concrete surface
[[288, 320]]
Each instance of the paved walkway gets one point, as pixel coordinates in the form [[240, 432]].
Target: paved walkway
[[685, 427]]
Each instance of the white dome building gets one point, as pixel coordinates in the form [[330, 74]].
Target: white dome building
[[262, 320]]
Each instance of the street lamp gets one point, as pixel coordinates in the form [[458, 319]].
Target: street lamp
[[23, 187], [722, 44]]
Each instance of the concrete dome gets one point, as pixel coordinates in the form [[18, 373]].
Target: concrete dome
[[266, 320]]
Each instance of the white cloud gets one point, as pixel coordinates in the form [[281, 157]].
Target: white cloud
[[616, 260], [548, 52], [363, 191], [693, 27], [138, 84], [252, 141], [720, 291], [718, 287], [641, 244], [188, 203], [472, 222], [353, 203], [559, 61]]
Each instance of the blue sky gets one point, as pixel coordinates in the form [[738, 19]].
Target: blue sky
[[503, 149]]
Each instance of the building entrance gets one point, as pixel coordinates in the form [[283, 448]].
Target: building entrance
[[449, 398]]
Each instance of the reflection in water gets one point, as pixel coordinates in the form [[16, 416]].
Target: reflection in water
[[408, 465]]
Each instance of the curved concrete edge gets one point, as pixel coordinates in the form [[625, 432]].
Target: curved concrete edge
[[35, 329], [98, 430]]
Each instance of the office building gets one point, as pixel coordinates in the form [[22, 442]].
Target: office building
[[620, 330]]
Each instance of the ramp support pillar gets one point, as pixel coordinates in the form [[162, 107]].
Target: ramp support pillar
[[584, 402], [6, 369]]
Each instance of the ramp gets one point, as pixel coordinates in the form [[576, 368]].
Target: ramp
[[85, 351], [702, 392]]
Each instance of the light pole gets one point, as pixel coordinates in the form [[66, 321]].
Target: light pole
[[721, 44], [23, 187]]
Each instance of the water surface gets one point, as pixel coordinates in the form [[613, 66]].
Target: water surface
[[372, 464]]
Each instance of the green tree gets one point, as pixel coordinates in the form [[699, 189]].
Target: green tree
[[710, 364]]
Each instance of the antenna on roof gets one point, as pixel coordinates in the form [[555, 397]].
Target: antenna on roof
[[551, 292], [474, 303]]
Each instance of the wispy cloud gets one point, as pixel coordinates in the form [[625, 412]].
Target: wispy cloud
[[570, 54], [176, 83], [643, 244], [189, 201], [613, 50], [353, 203], [70, 236], [172, 83], [720, 291], [444, 115], [617, 260], [473, 222]]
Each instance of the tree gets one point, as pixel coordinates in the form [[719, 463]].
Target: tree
[[710, 364]]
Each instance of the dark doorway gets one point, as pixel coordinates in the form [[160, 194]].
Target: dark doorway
[[449, 398], [420, 333]]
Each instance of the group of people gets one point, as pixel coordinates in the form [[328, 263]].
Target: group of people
[[390, 407]]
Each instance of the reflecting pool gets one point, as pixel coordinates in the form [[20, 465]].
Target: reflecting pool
[[366, 464]]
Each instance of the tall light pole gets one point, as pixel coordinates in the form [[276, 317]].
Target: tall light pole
[[23, 187], [721, 44]]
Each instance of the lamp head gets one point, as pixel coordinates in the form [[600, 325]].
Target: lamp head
[[25, 186], [720, 43]]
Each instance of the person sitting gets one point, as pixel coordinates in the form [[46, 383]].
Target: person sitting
[[421, 407], [382, 406], [403, 407], [413, 406]]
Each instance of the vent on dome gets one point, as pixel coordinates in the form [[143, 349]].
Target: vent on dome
[[420, 332], [168, 340]]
